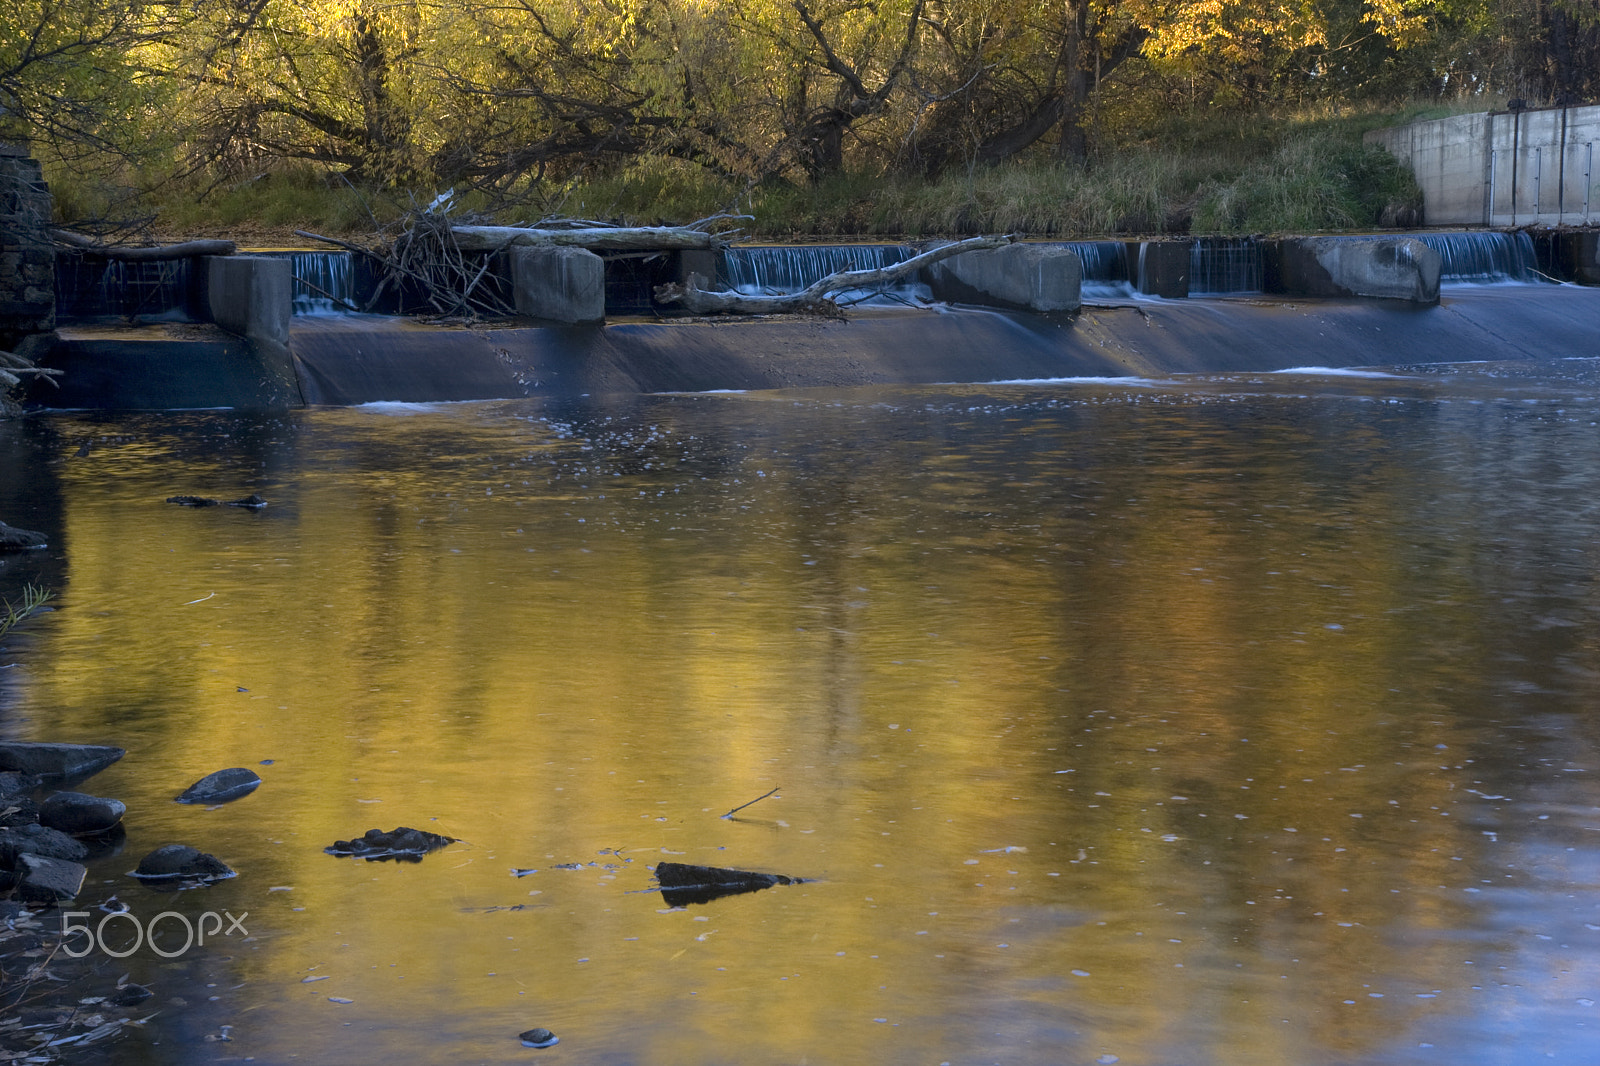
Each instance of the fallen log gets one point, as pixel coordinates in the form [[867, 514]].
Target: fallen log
[[156, 253], [814, 297], [620, 238], [683, 883]]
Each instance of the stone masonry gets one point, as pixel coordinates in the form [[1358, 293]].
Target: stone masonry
[[27, 261]]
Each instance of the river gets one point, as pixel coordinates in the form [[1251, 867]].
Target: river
[[1221, 719]]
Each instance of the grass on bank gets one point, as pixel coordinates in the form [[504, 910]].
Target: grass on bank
[[1229, 174], [12, 614]]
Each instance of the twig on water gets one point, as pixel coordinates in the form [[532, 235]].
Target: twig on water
[[742, 806]]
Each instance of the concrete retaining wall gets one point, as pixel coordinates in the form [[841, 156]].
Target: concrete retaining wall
[[1518, 168]]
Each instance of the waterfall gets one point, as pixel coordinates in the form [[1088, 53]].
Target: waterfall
[[92, 287], [1220, 265], [322, 283], [771, 271], [1105, 268], [1481, 257]]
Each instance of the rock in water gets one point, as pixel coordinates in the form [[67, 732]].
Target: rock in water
[[221, 787], [38, 840], [252, 501], [180, 862], [194, 501], [57, 763], [403, 844], [682, 883], [13, 539], [539, 1038], [80, 814], [47, 880]]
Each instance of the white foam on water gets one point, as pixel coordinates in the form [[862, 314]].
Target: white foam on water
[[1143, 383], [396, 407], [1336, 372]]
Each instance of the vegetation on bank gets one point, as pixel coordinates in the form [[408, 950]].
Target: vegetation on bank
[[1207, 175], [818, 117]]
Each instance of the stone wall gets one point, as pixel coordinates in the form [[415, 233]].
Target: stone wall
[[27, 261]]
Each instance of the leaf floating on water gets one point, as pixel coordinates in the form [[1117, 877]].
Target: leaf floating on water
[[315, 977], [339, 999], [523, 873]]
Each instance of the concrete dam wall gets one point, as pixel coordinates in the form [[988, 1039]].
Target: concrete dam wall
[[1504, 168]]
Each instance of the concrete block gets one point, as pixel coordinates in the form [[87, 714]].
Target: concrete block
[[1393, 268], [1162, 269], [1020, 277], [1578, 255], [251, 296], [559, 284]]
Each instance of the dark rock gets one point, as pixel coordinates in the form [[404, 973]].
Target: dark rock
[[193, 501], [222, 786], [15, 784], [55, 763], [129, 995], [17, 810], [252, 501], [180, 862], [539, 1038], [40, 840], [81, 814], [682, 883], [403, 844], [47, 880], [13, 539]]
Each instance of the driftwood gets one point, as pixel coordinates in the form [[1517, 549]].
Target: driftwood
[[12, 366], [621, 238], [158, 253], [814, 297]]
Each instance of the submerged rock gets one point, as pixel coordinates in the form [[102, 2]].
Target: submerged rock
[[180, 862], [222, 787], [683, 883], [57, 763], [538, 1038], [81, 814], [403, 844], [13, 539], [251, 501]]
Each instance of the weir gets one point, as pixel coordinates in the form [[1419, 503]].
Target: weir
[[1487, 256], [777, 270], [1222, 265], [89, 287], [324, 282]]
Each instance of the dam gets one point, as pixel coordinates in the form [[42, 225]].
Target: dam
[[136, 335]]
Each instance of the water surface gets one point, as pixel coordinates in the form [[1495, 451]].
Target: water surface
[[1221, 720]]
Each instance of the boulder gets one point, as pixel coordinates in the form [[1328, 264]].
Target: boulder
[[39, 840], [46, 880], [221, 787], [180, 862], [13, 539], [81, 814], [55, 763], [403, 844]]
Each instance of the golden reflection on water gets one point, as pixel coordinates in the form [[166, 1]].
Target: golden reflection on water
[[1147, 726]]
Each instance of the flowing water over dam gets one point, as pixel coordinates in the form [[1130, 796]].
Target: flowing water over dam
[[1222, 719]]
